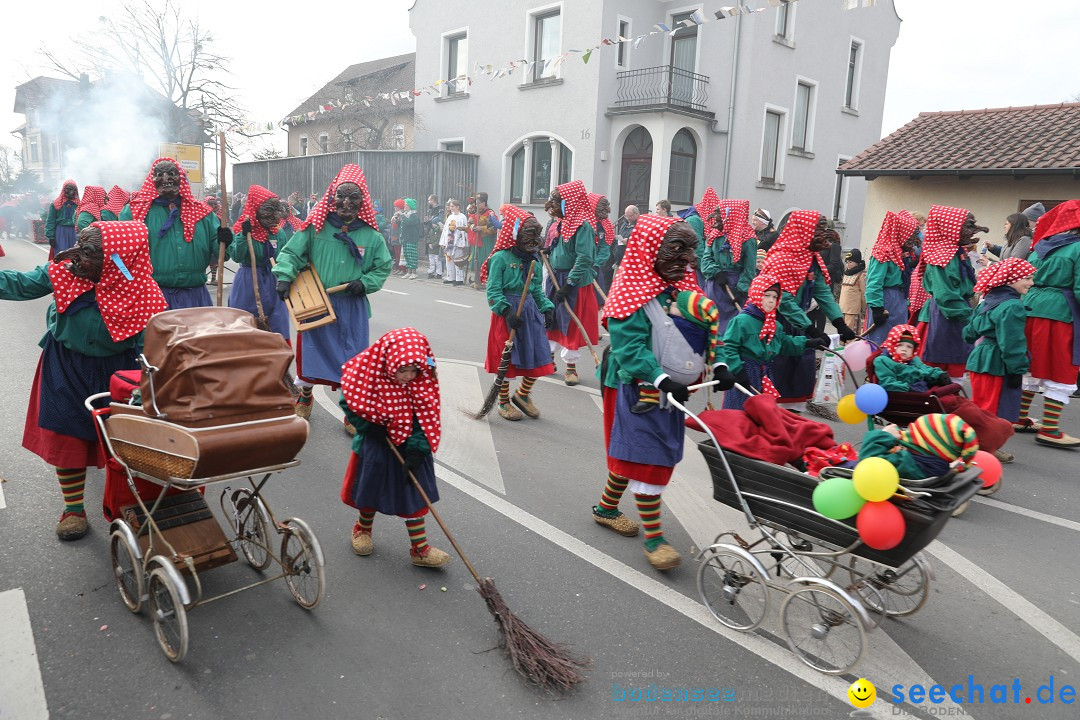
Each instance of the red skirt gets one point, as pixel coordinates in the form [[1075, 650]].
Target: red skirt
[[1050, 346], [498, 333], [955, 370], [58, 450], [986, 391], [588, 312], [649, 474]]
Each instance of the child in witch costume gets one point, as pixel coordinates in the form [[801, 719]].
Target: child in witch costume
[[60, 220], [573, 258], [896, 367], [643, 449], [391, 391], [262, 219], [1053, 315], [942, 285], [753, 339], [103, 296], [114, 205], [90, 207], [516, 247], [729, 257], [340, 240], [886, 293]]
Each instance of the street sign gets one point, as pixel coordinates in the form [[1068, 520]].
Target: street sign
[[189, 157]]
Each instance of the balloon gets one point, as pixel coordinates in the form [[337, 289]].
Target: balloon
[[990, 466], [871, 398], [836, 498], [881, 525], [847, 410], [857, 353], [875, 479]]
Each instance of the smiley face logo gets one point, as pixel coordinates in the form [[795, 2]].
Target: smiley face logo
[[862, 693]]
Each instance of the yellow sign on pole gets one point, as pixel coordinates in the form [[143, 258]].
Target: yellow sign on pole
[[189, 157]]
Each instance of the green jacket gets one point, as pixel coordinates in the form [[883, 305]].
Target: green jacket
[[951, 290], [698, 224], [741, 342], [713, 260], [578, 255], [1003, 348], [83, 331], [85, 219], [238, 249], [879, 276], [1060, 270], [64, 216], [879, 443], [603, 254], [108, 215], [505, 275], [417, 441], [820, 291], [332, 260], [631, 357], [899, 377], [177, 262]]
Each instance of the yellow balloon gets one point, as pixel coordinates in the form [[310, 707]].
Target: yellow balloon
[[848, 411], [876, 479]]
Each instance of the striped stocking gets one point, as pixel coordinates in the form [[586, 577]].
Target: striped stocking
[[1051, 417], [649, 508], [72, 484], [417, 535], [613, 492]]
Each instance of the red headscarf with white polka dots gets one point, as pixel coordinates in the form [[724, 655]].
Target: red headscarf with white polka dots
[[118, 198], [1005, 272], [60, 199], [737, 227], [371, 391], [93, 199], [790, 258], [507, 237], [609, 230], [755, 294], [942, 234], [1061, 218], [256, 196], [125, 305], [349, 174], [636, 282], [191, 210], [895, 230], [704, 208], [906, 333], [577, 208]]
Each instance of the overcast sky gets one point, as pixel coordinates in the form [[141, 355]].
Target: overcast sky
[[951, 55]]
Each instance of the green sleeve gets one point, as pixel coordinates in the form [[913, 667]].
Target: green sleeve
[[747, 265], [1011, 339], [83, 220], [946, 292], [792, 312], [875, 283], [886, 372], [29, 285], [791, 344], [211, 223], [926, 372], [536, 289], [603, 253], [971, 332], [585, 249], [293, 257], [731, 351], [698, 224], [496, 297], [358, 423], [707, 260], [630, 348], [825, 299], [377, 262], [417, 442], [238, 250], [50, 224]]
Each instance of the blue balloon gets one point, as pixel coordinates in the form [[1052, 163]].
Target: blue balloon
[[871, 398]]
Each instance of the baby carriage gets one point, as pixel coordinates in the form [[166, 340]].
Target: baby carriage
[[215, 410], [834, 588]]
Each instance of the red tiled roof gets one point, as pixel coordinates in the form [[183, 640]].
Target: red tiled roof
[[1040, 139]]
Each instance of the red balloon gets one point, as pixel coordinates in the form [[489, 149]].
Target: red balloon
[[990, 466], [881, 525]]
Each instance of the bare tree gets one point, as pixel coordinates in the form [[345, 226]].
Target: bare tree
[[10, 166], [267, 154], [173, 54], [367, 124]]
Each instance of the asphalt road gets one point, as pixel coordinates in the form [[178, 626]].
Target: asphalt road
[[387, 642]]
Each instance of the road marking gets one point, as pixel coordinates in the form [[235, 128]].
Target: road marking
[[3, 504], [22, 693], [393, 292], [1034, 514], [43, 248], [447, 302], [467, 443], [1023, 608]]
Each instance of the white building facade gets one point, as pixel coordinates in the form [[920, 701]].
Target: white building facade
[[660, 120]]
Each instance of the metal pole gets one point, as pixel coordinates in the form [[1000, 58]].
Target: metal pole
[[731, 105]]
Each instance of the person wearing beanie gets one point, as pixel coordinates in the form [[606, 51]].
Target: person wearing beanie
[[1034, 212], [926, 448], [853, 288]]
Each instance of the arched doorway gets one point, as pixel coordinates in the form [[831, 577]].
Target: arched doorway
[[636, 171]]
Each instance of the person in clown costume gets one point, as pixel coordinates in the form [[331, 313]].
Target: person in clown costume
[[886, 295], [926, 448], [341, 241], [262, 219], [729, 257], [103, 296], [390, 394]]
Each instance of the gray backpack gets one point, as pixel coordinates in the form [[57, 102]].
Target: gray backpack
[[671, 349]]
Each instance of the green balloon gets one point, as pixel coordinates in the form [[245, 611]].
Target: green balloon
[[837, 498]]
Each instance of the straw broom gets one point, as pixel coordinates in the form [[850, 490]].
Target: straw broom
[[543, 663], [504, 361]]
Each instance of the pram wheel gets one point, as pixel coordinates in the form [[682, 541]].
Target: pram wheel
[[733, 586], [127, 566], [167, 611], [823, 628], [302, 561], [905, 589], [252, 528]]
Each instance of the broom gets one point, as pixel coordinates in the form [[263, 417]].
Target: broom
[[543, 663], [504, 361], [573, 316], [260, 320]]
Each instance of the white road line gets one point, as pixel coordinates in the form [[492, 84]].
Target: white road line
[[1034, 514], [43, 248], [3, 503], [779, 656], [22, 693], [1023, 608], [392, 292], [467, 443], [447, 302]]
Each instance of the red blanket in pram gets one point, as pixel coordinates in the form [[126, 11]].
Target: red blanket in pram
[[764, 431]]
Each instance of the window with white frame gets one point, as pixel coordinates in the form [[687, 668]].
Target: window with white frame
[[324, 142], [54, 150], [34, 150], [453, 145], [803, 121], [347, 139], [622, 57], [538, 165], [682, 167], [517, 175], [457, 57], [546, 43], [839, 209], [303, 145], [398, 137], [770, 147], [854, 72], [785, 20]]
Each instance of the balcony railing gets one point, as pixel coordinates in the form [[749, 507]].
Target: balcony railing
[[663, 87]]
